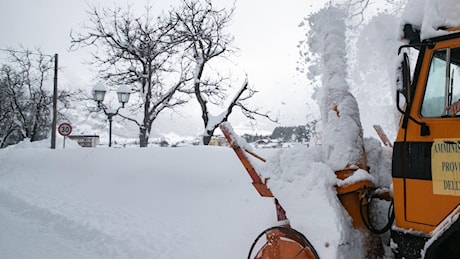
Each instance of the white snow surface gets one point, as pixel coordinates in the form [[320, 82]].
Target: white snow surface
[[187, 202]]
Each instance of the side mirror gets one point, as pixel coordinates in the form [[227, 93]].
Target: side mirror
[[404, 88], [405, 71], [403, 83]]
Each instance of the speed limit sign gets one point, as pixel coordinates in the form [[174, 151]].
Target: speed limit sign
[[65, 129]]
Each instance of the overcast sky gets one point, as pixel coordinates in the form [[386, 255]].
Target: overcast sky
[[266, 32]]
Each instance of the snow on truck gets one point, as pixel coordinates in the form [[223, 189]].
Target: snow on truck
[[423, 217]]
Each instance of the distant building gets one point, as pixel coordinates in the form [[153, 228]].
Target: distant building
[[85, 140], [218, 140], [268, 143]]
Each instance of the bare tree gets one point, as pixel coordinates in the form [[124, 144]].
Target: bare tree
[[356, 9], [202, 28], [141, 52]]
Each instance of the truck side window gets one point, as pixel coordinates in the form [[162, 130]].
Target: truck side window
[[445, 67]]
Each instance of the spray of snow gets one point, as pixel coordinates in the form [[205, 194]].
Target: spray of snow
[[342, 131], [373, 74]]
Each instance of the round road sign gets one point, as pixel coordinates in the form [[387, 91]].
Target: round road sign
[[65, 129]]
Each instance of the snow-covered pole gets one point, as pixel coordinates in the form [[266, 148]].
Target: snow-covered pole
[[342, 142]]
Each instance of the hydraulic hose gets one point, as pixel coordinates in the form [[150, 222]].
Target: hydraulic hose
[[367, 222]]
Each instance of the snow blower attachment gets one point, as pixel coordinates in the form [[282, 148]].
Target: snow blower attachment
[[281, 241], [285, 242]]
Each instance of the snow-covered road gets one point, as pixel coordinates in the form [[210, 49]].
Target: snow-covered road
[[191, 202]]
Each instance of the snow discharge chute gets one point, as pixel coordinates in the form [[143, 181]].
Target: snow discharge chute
[[342, 138]]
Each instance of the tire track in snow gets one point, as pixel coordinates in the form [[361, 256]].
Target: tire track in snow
[[86, 241]]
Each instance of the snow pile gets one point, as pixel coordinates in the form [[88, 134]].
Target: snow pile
[[430, 15]]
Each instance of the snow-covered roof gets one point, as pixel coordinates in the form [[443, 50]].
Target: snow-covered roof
[[430, 15]]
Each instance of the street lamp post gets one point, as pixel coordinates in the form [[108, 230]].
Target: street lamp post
[[123, 93]]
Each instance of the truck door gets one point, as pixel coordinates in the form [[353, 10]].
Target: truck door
[[428, 162]]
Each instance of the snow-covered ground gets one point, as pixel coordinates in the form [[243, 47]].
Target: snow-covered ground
[[186, 202]]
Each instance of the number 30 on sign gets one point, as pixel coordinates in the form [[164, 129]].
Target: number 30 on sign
[[65, 129]]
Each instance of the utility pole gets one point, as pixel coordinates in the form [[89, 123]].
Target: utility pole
[[55, 93]]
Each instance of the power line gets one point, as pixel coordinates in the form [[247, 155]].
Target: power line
[[27, 52]]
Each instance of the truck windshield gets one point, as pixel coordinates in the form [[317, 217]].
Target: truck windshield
[[443, 84]]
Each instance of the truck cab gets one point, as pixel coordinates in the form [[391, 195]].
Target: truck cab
[[426, 153]]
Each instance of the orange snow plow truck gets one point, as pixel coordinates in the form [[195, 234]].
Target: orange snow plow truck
[[425, 194]]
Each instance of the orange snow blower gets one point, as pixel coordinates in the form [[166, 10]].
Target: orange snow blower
[[284, 241]]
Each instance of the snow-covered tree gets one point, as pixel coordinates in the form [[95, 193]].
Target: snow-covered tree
[[140, 52], [10, 84], [202, 27], [26, 96]]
